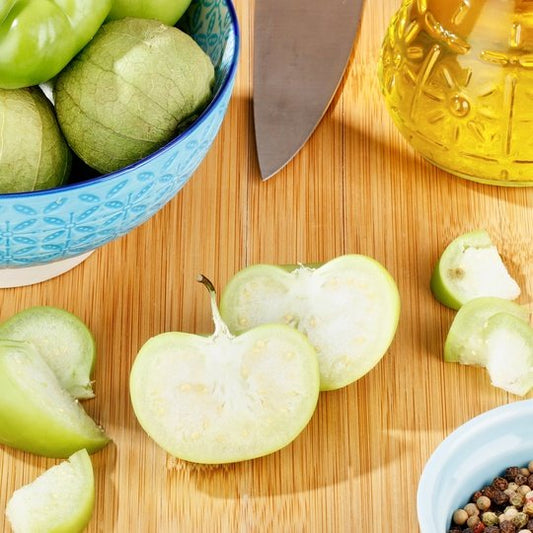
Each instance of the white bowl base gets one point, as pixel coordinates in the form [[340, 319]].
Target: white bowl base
[[22, 276]]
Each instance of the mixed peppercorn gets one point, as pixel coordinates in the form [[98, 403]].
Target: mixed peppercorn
[[504, 506]]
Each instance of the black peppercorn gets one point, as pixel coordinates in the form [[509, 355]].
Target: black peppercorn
[[520, 479], [500, 483], [507, 527], [478, 493], [497, 496], [511, 473]]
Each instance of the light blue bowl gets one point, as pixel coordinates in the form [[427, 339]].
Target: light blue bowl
[[471, 457], [66, 223]]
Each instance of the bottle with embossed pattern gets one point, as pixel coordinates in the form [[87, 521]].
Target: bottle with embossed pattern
[[457, 77]]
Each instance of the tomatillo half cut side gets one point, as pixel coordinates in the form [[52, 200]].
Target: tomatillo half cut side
[[63, 341], [60, 500], [224, 399], [471, 267], [348, 308], [36, 414], [466, 343]]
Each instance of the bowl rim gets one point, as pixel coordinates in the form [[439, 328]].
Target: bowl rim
[[434, 466], [227, 81]]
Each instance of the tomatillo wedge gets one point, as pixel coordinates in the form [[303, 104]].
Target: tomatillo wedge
[[471, 267], [60, 500], [36, 414], [466, 342], [509, 342], [348, 308], [224, 399], [62, 340]]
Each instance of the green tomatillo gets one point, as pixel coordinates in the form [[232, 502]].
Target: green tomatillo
[[33, 152], [223, 399], [166, 11], [348, 308], [39, 37], [36, 414], [60, 499]]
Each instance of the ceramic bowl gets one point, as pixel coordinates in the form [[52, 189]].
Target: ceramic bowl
[[471, 457], [45, 233]]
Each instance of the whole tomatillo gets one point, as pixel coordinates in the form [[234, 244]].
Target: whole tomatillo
[[130, 91], [166, 11], [39, 37], [33, 153]]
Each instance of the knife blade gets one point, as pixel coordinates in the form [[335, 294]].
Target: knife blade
[[301, 49]]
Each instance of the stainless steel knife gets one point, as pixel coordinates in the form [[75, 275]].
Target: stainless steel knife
[[301, 49]]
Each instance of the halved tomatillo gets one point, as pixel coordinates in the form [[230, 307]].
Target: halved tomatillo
[[348, 308], [223, 399]]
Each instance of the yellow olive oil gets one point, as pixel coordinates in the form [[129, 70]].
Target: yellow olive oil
[[457, 77]]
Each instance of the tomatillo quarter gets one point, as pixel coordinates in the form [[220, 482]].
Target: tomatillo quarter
[[39, 37]]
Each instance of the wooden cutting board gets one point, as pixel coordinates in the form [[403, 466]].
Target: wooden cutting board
[[356, 187]]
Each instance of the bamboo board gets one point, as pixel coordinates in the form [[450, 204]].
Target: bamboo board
[[356, 187]]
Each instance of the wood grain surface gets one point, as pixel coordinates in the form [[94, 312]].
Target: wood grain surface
[[356, 187]]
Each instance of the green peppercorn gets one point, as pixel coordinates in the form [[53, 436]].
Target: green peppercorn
[[489, 518], [517, 499], [520, 520]]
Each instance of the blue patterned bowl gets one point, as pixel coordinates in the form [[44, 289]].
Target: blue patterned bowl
[[471, 457], [45, 233]]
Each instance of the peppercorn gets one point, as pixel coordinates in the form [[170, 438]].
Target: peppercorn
[[489, 518], [500, 483], [476, 495], [528, 508], [492, 529], [520, 479], [479, 528], [509, 512], [520, 520], [530, 480], [511, 472], [473, 521], [530, 466], [460, 516], [517, 499], [530, 524], [497, 496], [471, 509], [483, 503], [507, 527]]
